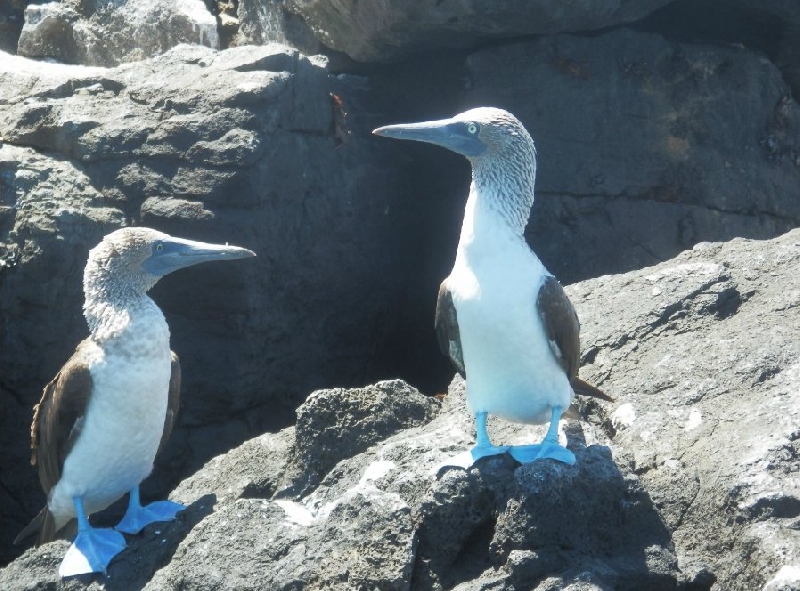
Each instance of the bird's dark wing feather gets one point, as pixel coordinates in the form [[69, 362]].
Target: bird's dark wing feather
[[174, 401], [446, 324], [560, 325], [562, 328], [57, 423], [58, 418]]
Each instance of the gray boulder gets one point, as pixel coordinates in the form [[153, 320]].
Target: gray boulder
[[710, 407], [102, 33], [386, 30], [687, 481], [338, 423]]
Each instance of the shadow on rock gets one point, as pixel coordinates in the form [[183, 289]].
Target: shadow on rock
[[526, 524], [146, 552], [154, 547]]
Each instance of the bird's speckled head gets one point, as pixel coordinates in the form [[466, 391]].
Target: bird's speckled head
[[498, 146], [130, 261], [479, 134]]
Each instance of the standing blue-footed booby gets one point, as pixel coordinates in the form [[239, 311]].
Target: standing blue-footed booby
[[503, 320], [110, 409]]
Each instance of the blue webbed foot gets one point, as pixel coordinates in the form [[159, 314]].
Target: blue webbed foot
[[135, 521], [137, 517], [91, 551], [545, 450], [548, 448], [483, 447]]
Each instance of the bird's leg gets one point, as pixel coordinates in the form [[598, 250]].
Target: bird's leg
[[137, 517], [548, 448], [481, 435], [483, 445], [92, 549]]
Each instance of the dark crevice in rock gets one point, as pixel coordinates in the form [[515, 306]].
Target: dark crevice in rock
[[766, 375], [435, 185], [725, 303], [474, 556]]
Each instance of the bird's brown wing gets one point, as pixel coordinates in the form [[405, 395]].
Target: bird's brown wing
[[57, 423], [58, 418], [447, 332], [562, 328], [174, 401]]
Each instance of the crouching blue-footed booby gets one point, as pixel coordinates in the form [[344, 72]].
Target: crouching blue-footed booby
[[110, 409], [503, 320]]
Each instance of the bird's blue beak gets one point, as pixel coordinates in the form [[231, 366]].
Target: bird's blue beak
[[449, 133], [171, 254]]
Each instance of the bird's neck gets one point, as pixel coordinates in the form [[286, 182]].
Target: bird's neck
[[498, 206], [111, 314]]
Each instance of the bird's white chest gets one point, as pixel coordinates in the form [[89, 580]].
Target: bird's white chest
[[124, 420], [511, 371]]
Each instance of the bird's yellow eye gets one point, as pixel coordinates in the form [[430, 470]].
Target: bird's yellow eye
[[159, 247], [472, 128]]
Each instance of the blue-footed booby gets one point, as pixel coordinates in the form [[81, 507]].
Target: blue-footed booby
[[501, 317], [111, 408]]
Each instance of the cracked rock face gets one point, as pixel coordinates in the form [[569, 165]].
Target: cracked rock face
[[687, 481]]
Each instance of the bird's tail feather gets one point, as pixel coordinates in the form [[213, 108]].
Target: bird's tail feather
[[585, 389], [44, 524]]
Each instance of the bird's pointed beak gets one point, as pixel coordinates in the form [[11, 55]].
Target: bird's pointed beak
[[172, 254], [448, 133]]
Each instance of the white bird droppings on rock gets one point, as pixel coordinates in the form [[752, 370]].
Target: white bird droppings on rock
[[624, 416], [695, 420], [296, 514]]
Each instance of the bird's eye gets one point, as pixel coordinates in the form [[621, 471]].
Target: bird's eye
[[159, 247], [472, 128]]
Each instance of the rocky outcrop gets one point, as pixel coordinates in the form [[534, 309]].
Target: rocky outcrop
[[675, 126], [687, 481], [101, 33], [710, 413], [387, 30]]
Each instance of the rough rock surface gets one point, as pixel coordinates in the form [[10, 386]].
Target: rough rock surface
[[385, 30], [703, 357], [102, 33], [686, 482], [238, 146]]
